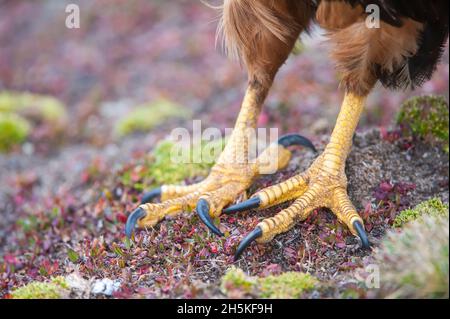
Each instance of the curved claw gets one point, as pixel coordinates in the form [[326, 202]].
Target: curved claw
[[132, 220], [148, 197], [362, 234], [252, 203], [203, 213], [251, 237], [296, 139]]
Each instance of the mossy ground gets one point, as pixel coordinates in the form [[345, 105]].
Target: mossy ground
[[14, 130], [42, 107], [288, 285], [145, 117], [56, 288], [426, 117], [22, 112], [166, 167], [432, 207]]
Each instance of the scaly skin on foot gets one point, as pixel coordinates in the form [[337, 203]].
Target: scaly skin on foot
[[324, 184], [229, 179]]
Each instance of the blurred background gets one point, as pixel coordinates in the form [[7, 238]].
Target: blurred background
[[148, 66]]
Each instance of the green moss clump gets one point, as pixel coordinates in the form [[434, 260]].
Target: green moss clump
[[18, 111], [57, 288], [235, 278], [147, 116], [426, 117], [414, 263], [286, 285], [14, 130], [43, 108], [165, 170], [432, 207]]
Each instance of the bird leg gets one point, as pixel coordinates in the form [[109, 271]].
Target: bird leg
[[232, 174], [324, 184]]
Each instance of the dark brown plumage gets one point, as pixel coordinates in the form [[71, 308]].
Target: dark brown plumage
[[402, 53]]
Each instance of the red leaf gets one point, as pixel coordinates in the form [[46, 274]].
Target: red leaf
[[122, 218]]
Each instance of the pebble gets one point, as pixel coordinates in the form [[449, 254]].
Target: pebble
[[105, 287]]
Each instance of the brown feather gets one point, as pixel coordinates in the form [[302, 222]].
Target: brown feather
[[337, 15], [361, 52], [262, 33]]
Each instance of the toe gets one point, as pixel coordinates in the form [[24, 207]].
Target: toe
[[345, 211], [148, 197]]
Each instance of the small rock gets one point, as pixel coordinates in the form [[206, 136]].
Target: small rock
[[105, 287]]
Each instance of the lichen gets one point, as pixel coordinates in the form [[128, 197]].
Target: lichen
[[426, 117], [414, 263], [145, 117], [56, 288], [432, 207], [14, 130], [285, 286]]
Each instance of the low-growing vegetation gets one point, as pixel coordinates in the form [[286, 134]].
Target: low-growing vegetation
[[414, 263], [56, 288], [286, 286], [432, 207], [426, 117]]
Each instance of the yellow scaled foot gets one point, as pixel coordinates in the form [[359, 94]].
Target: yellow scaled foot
[[233, 173], [324, 184]]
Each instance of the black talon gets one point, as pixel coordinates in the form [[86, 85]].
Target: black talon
[[362, 234], [296, 139], [148, 197], [132, 220], [252, 203], [203, 213], [251, 237]]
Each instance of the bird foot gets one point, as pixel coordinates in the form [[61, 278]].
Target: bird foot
[[324, 184], [227, 182]]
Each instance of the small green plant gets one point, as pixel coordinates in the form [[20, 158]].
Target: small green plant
[[56, 288], [414, 263], [432, 207], [426, 117], [286, 285], [145, 117], [14, 130]]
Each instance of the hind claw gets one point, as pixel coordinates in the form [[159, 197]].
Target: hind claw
[[203, 213], [132, 220], [251, 237]]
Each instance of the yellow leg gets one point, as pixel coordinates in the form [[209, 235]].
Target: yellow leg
[[324, 184], [229, 178]]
